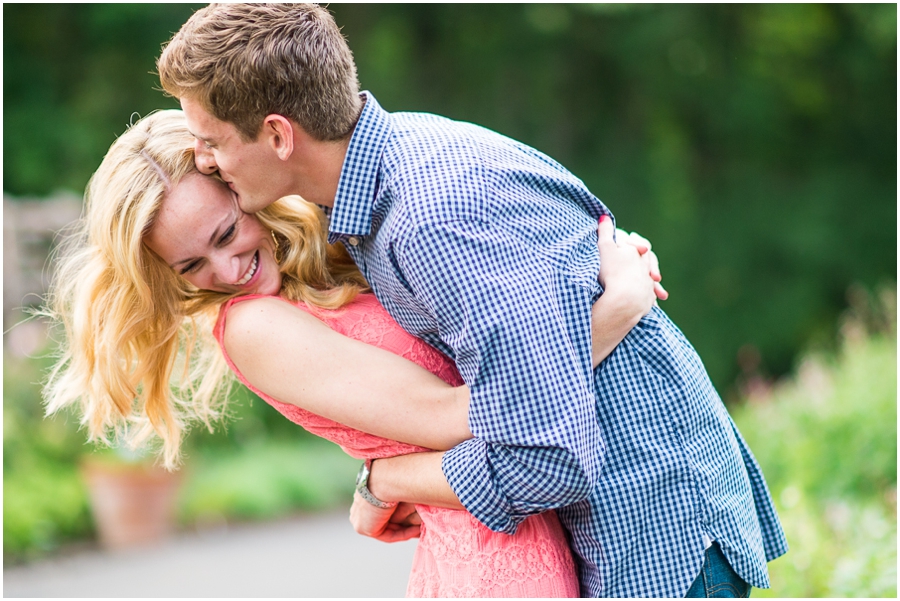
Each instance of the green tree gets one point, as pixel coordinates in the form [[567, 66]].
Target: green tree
[[755, 145]]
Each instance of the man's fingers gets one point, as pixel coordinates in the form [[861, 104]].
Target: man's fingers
[[405, 515], [367, 519], [395, 534]]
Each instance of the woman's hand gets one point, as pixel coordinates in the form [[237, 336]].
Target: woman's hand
[[645, 250], [629, 274], [626, 270]]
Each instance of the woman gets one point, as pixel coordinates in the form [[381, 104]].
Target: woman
[[167, 268]]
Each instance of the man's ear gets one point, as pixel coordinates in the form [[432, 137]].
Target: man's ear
[[280, 134]]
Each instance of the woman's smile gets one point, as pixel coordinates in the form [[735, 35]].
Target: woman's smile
[[202, 234], [251, 271]]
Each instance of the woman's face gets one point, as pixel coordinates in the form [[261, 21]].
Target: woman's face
[[203, 235]]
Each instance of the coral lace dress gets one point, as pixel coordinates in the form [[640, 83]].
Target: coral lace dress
[[456, 556]]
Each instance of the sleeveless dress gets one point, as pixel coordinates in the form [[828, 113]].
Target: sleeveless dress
[[457, 556]]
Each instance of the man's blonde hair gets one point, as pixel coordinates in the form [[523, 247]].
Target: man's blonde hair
[[137, 355], [242, 62]]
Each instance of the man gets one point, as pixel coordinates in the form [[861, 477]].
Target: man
[[486, 249]]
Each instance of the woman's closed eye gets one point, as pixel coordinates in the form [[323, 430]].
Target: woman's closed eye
[[228, 235], [224, 239], [190, 267]]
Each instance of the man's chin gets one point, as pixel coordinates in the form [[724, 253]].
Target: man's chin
[[245, 205], [250, 204]]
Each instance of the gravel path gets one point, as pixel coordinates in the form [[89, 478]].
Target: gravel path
[[308, 556]]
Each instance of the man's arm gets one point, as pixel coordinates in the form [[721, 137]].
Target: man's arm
[[406, 479], [629, 274], [519, 330]]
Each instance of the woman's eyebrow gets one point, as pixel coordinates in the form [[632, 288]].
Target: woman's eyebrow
[[215, 234], [180, 262], [225, 223]]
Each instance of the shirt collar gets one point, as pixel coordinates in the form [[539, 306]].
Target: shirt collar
[[352, 212]]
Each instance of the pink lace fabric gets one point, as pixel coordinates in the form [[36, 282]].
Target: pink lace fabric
[[456, 556]]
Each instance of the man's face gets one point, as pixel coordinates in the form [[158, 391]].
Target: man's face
[[251, 169]]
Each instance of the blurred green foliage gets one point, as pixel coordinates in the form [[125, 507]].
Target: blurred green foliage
[[827, 441], [44, 500], [755, 144], [267, 478], [73, 77], [257, 465]]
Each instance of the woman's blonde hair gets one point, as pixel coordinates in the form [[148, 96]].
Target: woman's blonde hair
[[137, 355]]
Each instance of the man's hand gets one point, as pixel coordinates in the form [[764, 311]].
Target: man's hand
[[645, 250], [387, 525]]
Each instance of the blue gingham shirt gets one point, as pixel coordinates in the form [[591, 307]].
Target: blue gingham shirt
[[486, 249]]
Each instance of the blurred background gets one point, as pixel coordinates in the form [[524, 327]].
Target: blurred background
[[754, 145]]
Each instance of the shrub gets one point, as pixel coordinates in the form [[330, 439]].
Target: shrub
[[827, 442]]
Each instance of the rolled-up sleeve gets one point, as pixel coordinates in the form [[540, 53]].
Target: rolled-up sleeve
[[520, 333]]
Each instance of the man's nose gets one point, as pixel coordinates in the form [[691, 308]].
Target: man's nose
[[203, 157]]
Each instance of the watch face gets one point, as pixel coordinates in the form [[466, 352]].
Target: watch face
[[362, 475]]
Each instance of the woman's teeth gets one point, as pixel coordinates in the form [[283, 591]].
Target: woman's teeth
[[250, 272]]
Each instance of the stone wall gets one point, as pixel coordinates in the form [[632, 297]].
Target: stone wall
[[31, 229]]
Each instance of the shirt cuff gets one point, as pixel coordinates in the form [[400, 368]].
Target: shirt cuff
[[467, 470]]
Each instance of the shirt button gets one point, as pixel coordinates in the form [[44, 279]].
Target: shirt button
[[353, 240]]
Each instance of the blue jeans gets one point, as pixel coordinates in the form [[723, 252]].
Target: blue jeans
[[717, 579]]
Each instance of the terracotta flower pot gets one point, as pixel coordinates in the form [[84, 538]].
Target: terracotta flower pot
[[132, 504]]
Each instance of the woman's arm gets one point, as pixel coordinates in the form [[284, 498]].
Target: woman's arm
[[295, 358]]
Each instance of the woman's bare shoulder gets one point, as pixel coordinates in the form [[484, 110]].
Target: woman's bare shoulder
[[258, 320]]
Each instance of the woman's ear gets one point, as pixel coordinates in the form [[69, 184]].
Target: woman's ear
[[279, 132]]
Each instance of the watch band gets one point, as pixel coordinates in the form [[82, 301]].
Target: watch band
[[362, 487]]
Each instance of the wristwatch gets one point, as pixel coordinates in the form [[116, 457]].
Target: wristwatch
[[362, 487]]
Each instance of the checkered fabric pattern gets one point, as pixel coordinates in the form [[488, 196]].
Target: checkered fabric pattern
[[486, 249]]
